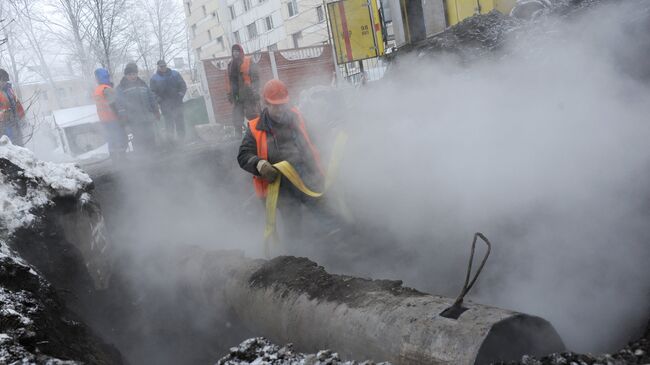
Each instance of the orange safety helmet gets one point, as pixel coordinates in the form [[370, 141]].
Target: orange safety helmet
[[275, 92]]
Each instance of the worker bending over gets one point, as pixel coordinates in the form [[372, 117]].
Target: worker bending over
[[279, 134]]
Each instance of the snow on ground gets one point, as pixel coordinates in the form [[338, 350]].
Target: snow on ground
[[53, 180], [21, 193], [65, 178]]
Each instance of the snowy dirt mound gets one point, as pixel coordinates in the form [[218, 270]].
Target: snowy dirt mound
[[474, 36], [35, 324], [482, 35], [261, 351], [28, 184]]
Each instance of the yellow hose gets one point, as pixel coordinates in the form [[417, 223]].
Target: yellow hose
[[285, 168]]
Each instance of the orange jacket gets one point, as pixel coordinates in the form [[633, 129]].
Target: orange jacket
[[5, 106], [244, 73], [261, 185], [104, 110]]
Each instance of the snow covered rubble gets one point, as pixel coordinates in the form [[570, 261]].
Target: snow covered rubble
[[260, 351], [35, 325]]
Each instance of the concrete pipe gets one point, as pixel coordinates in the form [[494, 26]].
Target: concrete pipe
[[291, 299]]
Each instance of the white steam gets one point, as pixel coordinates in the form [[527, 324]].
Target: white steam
[[544, 150]]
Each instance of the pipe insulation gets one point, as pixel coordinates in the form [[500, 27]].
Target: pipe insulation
[[293, 300]]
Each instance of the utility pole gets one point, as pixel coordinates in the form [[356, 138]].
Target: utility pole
[[337, 70]]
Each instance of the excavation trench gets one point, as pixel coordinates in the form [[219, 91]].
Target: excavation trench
[[166, 285]]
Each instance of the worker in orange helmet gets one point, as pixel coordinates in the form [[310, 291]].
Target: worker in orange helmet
[[280, 134]]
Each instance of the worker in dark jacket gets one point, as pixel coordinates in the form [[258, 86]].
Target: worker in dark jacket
[[137, 107], [170, 88], [243, 86], [280, 134]]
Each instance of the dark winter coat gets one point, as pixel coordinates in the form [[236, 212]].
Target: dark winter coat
[[238, 89], [169, 87], [135, 102], [285, 143]]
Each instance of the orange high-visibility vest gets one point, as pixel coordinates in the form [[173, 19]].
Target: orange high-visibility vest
[[261, 185], [5, 106], [244, 71], [104, 110]]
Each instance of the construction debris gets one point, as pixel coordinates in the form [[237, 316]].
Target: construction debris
[[636, 352], [261, 351]]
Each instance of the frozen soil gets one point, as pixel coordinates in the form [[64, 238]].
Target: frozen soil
[[304, 275], [36, 324]]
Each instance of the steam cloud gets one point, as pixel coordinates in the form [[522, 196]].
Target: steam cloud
[[543, 149]]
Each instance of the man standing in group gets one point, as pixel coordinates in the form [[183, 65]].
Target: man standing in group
[[137, 107], [11, 111], [243, 88], [170, 88], [106, 110]]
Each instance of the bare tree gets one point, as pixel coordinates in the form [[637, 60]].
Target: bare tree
[[145, 48], [7, 49], [110, 38], [27, 18], [167, 26], [74, 31], [3, 25]]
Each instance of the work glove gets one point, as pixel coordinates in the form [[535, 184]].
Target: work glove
[[267, 171]]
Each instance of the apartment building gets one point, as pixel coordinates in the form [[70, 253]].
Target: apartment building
[[41, 98], [258, 25]]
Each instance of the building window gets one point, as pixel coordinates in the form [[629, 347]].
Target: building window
[[205, 12], [236, 36], [209, 34], [292, 5], [273, 47], [247, 5], [216, 16], [233, 14], [269, 22], [198, 52], [296, 39], [189, 8], [320, 13], [252, 30], [193, 30], [220, 43]]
